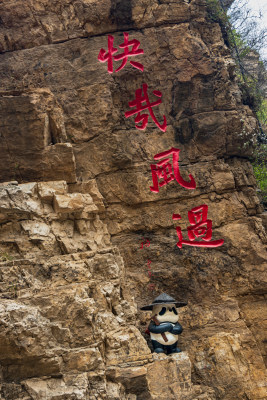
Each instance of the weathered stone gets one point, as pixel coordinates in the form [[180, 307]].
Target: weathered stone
[[73, 387], [33, 137], [83, 360], [46, 190], [179, 383], [68, 203], [123, 347], [91, 188], [27, 339], [79, 205]]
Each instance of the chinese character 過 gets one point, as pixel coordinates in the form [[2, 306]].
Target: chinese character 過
[[168, 172], [201, 227], [108, 56], [143, 118], [147, 244]]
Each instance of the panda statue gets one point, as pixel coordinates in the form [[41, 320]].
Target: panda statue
[[164, 327]]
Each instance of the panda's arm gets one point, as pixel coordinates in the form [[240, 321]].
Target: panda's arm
[[164, 327], [177, 329]]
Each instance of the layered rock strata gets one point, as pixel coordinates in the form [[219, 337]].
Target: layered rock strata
[[71, 230], [67, 329]]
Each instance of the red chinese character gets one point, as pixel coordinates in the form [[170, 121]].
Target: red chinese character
[[168, 172], [148, 264], [143, 118], [147, 244], [151, 286], [108, 56], [201, 227], [150, 274]]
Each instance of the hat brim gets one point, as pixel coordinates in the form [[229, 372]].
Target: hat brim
[[177, 304]]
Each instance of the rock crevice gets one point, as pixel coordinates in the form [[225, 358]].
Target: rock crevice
[[75, 205]]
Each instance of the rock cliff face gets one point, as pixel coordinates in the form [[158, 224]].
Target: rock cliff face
[[78, 205], [256, 68]]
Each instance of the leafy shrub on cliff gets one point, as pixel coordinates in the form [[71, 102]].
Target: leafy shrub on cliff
[[244, 37], [262, 113], [260, 171]]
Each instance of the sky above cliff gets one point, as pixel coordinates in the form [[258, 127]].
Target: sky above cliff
[[243, 13], [256, 6]]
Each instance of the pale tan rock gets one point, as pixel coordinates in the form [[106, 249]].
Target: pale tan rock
[[75, 328], [83, 360], [35, 229], [68, 203], [223, 181], [123, 347], [179, 382], [116, 391], [26, 335], [72, 388], [91, 188], [46, 190]]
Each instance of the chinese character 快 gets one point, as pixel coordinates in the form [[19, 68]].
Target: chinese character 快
[[108, 56]]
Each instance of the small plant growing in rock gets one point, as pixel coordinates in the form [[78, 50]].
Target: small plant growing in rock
[[13, 288], [260, 170], [4, 256]]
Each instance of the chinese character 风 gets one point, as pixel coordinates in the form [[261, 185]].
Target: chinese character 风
[[168, 171]]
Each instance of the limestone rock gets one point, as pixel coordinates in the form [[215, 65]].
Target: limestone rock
[[76, 204], [47, 190], [179, 382], [33, 137], [71, 387]]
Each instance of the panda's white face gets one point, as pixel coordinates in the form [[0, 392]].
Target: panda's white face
[[166, 313]]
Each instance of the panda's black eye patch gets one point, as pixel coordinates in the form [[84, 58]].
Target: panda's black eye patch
[[174, 310], [162, 311]]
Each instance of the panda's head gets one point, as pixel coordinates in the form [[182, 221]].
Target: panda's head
[[165, 313]]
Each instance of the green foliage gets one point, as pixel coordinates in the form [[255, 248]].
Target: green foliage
[[248, 83], [251, 93], [262, 112], [241, 43], [216, 12], [260, 172], [237, 43], [4, 256], [13, 289]]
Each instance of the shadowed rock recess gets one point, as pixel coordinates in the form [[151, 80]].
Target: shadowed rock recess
[[75, 205]]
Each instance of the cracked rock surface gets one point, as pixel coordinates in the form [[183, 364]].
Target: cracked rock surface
[[75, 205]]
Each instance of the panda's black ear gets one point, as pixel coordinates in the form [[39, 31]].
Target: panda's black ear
[[174, 310], [162, 311]]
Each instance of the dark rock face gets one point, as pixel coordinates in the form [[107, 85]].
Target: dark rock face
[[121, 13], [73, 222]]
